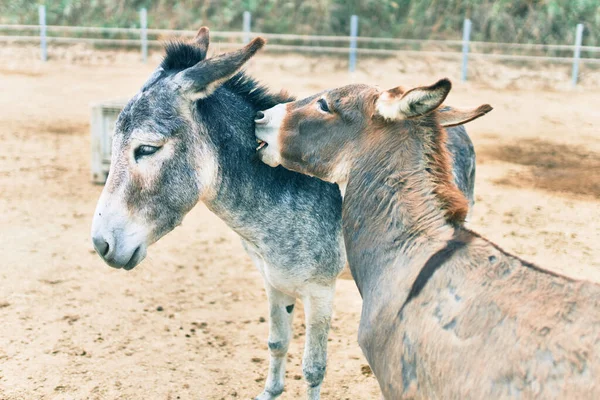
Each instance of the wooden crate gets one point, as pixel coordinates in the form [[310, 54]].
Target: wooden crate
[[104, 116]]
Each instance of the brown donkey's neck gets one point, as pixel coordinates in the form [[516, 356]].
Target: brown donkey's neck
[[401, 202]]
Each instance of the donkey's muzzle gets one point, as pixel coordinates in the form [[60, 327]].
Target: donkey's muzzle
[[102, 247], [117, 256]]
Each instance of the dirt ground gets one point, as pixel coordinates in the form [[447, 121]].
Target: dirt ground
[[189, 322]]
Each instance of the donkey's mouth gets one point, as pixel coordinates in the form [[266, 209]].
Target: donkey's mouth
[[261, 144]]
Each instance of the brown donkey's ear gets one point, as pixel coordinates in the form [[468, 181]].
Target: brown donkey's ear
[[202, 40], [201, 80], [449, 116], [395, 104]]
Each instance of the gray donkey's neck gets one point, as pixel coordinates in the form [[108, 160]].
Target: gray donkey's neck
[[277, 212], [393, 222]]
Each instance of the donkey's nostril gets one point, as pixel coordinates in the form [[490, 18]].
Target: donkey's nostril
[[260, 116], [101, 246]]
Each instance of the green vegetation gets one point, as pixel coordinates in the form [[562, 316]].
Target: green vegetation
[[524, 21]]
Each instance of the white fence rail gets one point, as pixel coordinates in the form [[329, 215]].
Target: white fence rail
[[353, 45]]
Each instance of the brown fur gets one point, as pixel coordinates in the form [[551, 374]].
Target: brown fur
[[438, 164], [202, 40], [454, 203], [452, 116], [486, 325], [397, 91], [446, 313]]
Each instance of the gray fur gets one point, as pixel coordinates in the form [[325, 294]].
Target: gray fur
[[463, 161]]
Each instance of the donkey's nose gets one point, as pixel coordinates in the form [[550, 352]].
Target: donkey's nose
[[102, 247], [260, 118]]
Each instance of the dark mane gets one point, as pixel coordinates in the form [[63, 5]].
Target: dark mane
[[453, 201], [181, 55], [526, 264], [255, 93]]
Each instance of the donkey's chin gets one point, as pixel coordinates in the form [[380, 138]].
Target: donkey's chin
[[269, 157], [137, 257]]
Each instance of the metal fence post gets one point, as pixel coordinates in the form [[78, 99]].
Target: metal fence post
[[465, 48], [247, 19], [353, 35], [577, 54], [44, 49], [96, 129], [144, 33]]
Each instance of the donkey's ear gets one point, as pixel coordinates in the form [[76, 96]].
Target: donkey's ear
[[396, 104], [449, 116], [201, 80], [202, 40]]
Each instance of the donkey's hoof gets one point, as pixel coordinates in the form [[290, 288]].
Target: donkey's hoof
[[268, 395], [265, 396]]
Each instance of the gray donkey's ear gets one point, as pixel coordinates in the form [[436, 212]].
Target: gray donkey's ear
[[201, 80], [202, 40], [397, 104]]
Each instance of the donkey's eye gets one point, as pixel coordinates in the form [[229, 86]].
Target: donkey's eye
[[323, 105], [144, 150]]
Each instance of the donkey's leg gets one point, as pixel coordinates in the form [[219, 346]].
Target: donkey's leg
[[318, 306], [281, 312]]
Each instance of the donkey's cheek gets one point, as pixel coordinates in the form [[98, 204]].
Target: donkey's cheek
[[173, 194], [140, 181], [203, 171]]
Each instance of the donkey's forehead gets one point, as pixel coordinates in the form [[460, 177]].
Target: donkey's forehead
[[156, 76], [155, 110], [351, 92], [345, 94], [351, 97]]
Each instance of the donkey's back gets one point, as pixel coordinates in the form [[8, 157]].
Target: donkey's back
[[489, 325]]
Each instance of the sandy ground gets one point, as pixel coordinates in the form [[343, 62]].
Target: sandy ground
[[189, 322]]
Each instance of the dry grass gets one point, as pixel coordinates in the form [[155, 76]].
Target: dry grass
[[552, 166], [19, 72]]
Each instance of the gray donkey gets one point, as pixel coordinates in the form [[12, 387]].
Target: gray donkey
[[188, 136]]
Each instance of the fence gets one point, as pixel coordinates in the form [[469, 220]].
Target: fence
[[376, 46]]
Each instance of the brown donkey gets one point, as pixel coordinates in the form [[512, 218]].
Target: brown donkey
[[446, 313]]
